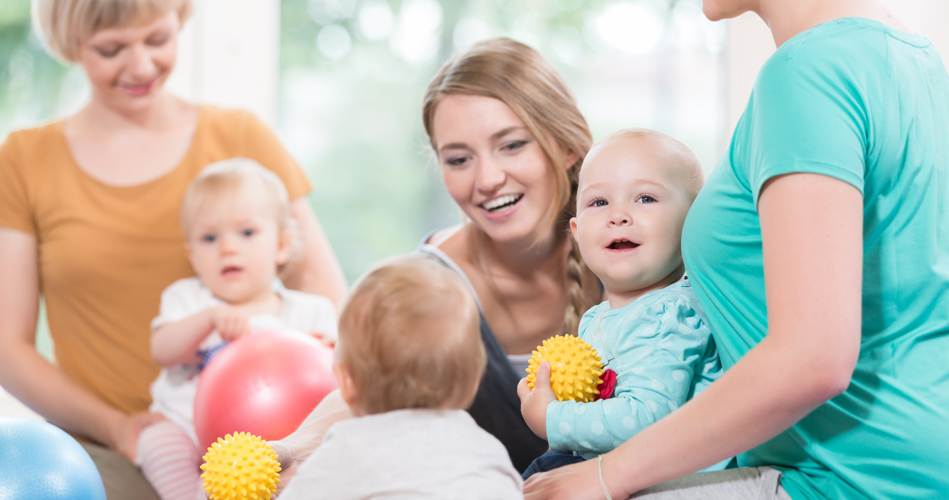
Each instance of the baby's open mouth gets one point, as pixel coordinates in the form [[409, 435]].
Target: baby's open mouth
[[501, 202], [622, 245], [230, 270]]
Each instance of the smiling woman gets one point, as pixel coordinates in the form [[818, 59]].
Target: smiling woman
[[510, 140], [89, 215]]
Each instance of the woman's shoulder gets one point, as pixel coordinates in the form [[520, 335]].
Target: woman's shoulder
[[439, 237], [34, 140], [226, 122], [852, 45]]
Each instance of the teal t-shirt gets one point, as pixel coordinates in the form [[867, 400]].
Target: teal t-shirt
[[861, 102]]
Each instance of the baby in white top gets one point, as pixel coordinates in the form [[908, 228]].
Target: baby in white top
[[238, 229], [408, 362]]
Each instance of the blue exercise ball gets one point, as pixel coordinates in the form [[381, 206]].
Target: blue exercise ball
[[40, 461]]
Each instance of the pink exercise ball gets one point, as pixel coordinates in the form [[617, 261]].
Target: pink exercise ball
[[265, 383]]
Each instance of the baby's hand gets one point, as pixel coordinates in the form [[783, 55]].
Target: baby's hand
[[230, 322], [534, 402], [324, 339]]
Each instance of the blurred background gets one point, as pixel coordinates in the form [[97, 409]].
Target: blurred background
[[342, 81]]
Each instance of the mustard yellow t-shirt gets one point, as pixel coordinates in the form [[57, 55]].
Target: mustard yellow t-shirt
[[106, 252]]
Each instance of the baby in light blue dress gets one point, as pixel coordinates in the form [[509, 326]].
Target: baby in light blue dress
[[636, 187]]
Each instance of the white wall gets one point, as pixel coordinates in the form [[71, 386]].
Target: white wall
[[229, 56], [750, 44]]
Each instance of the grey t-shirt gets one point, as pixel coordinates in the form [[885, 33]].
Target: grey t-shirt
[[407, 454]]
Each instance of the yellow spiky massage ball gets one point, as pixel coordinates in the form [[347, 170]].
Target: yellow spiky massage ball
[[241, 466], [575, 368]]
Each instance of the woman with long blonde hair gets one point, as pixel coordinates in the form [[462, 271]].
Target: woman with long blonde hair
[[509, 140]]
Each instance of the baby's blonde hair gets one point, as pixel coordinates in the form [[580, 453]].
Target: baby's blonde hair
[[225, 178], [674, 154], [64, 24], [409, 337]]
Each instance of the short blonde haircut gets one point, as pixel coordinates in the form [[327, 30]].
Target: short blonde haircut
[[674, 154], [409, 337], [223, 179], [64, 24]]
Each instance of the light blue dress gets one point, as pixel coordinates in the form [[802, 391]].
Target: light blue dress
[[663, 354], [857, 101]]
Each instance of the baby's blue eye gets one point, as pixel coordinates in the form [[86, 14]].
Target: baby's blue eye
[[247, 233], [209, 238], [646, 199], [599, 202]]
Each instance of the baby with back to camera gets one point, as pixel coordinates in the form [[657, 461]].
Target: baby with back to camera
[[635, 189], [408, 361], [238, 230]]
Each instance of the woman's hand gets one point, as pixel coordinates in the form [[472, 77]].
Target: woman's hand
[[288, 463], [572, 482], [126, 431], [534, 402]]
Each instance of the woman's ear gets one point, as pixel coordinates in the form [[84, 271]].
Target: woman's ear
[[571, 159]]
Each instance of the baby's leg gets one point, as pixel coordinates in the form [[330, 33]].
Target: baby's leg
[[170, 461]]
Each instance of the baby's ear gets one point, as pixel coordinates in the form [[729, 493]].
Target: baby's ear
[[285, 246], [346, 387], [573, 228]]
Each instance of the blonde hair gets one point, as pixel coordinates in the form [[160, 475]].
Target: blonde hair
[[521, 78], [64, 24], [225, 178], [673, 153], [409, 337]]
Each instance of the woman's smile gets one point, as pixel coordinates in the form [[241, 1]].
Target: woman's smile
[[501, 207], [138, 89]]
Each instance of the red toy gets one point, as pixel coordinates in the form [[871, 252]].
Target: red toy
[[265, 384]]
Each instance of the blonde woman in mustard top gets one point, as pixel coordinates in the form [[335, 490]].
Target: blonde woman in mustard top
[[89, 218]]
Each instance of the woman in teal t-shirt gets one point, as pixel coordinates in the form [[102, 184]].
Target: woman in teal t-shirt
[[819, 249]]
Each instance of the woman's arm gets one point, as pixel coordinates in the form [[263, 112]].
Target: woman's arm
[[812, 232], [317, 271], [32, 379]]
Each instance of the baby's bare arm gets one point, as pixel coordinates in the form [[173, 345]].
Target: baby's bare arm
[[177, 343]]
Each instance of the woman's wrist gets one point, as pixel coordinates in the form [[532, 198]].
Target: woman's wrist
[[113, 423], [612, 478], [599, 468]]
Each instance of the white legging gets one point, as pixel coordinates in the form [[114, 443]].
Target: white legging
[[170, 461]]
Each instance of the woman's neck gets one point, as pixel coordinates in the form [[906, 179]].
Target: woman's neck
[[524, 258], [165, 113], [788, 19]]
